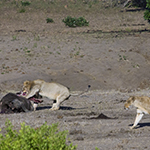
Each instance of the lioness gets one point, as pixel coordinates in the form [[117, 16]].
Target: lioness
[[53, 91], [142, 103]]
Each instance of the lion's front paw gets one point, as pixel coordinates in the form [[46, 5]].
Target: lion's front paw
[[132, 127]]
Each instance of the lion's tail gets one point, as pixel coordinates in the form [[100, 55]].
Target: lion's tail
[[78, 93]]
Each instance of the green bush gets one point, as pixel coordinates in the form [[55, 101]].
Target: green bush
[[147, 11], [49, 20], [25, 3], [42, 138], [75, 22], [22, 10]]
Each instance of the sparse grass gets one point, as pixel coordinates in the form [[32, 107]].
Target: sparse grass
[[58, 53], [35, 45], [77, 53], [136, 66], [5, 69], [49, 20], [27, 51], [54, 6], [36, 37], [14, 37], [122, 57], [22, 10], [91, 9]]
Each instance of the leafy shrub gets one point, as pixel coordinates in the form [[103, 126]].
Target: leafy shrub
[[25, 3], [22, 10], [49, 20], [75, 22], [147, 11], [42, 138]]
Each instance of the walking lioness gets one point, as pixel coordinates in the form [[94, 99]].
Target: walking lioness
[[142, 103]]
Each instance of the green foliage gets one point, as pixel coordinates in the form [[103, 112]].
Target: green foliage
[[75, 22], [122, 57], [25, 3], [42, 138], [22, 10], [147, 11], [14, 37], [49, 20]]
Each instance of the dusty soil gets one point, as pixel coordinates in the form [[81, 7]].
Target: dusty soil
[[112, 55]]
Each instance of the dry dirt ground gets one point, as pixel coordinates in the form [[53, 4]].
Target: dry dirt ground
[[112, 55]]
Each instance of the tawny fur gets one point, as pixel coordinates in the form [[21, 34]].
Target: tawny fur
[[53, 91], [142, 103]]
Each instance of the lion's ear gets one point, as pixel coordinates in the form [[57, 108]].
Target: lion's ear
[[26, 83]]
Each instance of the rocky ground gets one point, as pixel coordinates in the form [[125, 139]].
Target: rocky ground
[[112, 55]]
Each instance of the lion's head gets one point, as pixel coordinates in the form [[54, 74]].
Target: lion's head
[[27, 85], [129, 102]]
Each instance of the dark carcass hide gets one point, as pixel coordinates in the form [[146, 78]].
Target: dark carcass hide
[[12, 103]]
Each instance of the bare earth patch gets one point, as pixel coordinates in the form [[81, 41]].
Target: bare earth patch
[[112, 55]]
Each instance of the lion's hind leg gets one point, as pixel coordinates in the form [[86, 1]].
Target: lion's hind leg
[[139, 116], [59, 100]]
